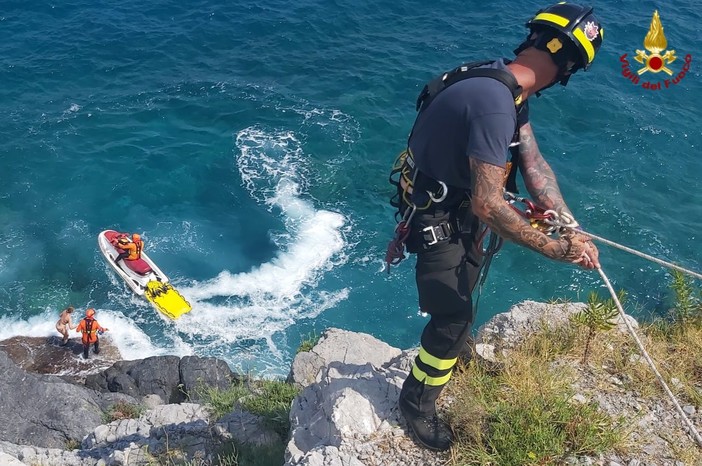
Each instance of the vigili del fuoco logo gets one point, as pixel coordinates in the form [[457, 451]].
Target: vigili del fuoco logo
[[655, 62]]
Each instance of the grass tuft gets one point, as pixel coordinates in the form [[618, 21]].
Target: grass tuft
[[270, 399], [308, 342], [122, 410], [525, 413]]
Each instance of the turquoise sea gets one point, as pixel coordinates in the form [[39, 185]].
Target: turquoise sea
[[250, 144]]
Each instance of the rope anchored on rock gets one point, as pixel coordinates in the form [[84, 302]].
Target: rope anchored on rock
[[550, 221], [691, 427]]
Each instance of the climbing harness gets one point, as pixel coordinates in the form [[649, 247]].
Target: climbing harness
[[405, 176], [413, 194]]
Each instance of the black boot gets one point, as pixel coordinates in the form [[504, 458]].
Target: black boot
[[418, 406]]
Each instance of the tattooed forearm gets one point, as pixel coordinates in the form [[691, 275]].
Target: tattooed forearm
[[488, 204], [538, 176]]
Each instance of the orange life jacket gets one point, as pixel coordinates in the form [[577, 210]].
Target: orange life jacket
[[136, 252], [89, 328]]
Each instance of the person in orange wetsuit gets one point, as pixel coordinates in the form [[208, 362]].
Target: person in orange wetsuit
[[131, 250], [90, 328]]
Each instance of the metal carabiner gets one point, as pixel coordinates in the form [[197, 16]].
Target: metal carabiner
[[444, 193]]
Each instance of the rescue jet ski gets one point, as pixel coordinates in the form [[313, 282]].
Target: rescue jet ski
[[144, 277]]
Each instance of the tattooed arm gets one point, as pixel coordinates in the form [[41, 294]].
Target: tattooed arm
[[538, 177], [541, 183], [489, 205]]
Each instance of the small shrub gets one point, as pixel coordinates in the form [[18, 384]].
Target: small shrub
[[687, 307], [596, 317], [308, 342], [122, 410], [72, 444]]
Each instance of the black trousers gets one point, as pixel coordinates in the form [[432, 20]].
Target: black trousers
[[445, 274], [86, 348], [122, 255]]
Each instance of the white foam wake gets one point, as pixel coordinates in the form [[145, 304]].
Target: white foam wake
[[132, 342], [257, 304], [241, 317]]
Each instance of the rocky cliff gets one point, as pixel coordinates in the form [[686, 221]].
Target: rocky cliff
[[346, 413]]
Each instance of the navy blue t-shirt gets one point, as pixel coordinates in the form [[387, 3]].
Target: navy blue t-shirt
[[474, 117]]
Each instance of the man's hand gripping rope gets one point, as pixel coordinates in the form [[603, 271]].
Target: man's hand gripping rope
[[574, 246]]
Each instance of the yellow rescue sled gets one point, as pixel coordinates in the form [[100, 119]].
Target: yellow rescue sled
[[166, 299]]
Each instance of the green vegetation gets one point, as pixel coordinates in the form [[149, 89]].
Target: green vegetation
[[72, 444], [270, 399], [596, 317], [688, 306], [234, 454], [122, 410], [308, 342], [524, 412]]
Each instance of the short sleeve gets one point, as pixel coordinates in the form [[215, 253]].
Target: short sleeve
[[489, 138]]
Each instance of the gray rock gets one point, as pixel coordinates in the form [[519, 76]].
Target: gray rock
[[171, 378], [47, 414], [151, 401], [7, 460], [246, 428], [505, 330], [342, 346], [350, 416], [197, 372], [46, 355]]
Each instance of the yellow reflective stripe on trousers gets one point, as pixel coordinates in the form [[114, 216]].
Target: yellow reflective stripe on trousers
[[587, 45], [433, 381], [433, 361]]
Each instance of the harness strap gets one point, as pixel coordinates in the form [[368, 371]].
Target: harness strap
[[511, 183], [88, 327], [465, 71]]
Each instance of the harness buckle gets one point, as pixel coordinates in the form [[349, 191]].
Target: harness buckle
[[434, 234]]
